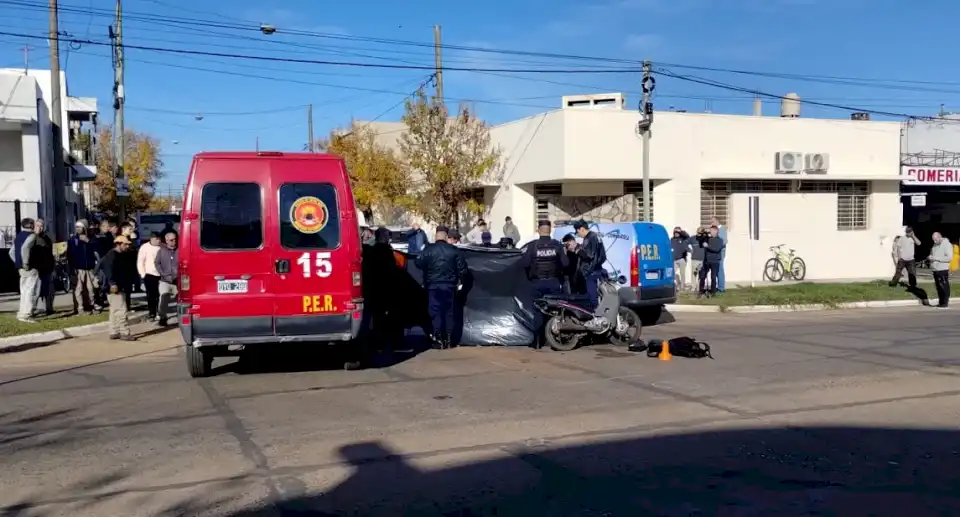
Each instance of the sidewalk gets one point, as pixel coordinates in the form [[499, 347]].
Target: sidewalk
[[10, 302]]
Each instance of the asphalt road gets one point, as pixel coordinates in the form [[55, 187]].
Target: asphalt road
[[827, 413]]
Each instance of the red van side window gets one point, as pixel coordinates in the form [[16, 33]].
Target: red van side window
[[231, 216], [309, 216]]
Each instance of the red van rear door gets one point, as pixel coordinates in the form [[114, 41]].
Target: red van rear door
[[313, 287], [231, 265]]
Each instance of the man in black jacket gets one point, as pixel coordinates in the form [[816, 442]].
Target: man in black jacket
[[41, 259], [592, 257], [713, 253], [117, 273], [444, 271], [575, 281]]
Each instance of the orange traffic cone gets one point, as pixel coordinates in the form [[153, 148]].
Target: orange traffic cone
[[665, 351]]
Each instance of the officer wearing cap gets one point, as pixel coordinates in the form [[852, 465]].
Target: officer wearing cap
[[592, 255], [545, 261]]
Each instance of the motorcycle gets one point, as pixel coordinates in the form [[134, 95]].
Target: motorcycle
[[569, 323], [61, 275]]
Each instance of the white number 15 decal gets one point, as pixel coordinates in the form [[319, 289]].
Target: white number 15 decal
[[321, 262]]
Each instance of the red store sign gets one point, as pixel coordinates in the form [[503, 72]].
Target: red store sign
[[929, 176]]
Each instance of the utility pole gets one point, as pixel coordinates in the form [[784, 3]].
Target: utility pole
[[116, 34], [311, 148], [56, 109], [648, 84], [438, 63], [26, 58]]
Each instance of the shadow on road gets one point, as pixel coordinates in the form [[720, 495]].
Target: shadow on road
[[309, 357], [783, 472]]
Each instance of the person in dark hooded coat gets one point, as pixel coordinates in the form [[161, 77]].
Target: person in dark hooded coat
[[380, 276]]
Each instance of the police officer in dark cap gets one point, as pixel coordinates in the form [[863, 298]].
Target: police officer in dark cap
[[545, 261]]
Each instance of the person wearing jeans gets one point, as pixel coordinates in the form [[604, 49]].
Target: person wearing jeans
[[166, 264], [940, 257], [712, 262], [147, 268]]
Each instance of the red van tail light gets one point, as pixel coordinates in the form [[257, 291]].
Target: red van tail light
[[635, 267], [357, 278], [184, 282]]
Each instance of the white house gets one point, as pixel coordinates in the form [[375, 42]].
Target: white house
[[26, 149], [584, 160]]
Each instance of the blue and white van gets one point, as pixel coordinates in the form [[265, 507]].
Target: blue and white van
[[639, 257]]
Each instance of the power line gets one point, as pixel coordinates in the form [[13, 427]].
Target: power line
[[715, 84], [192, 52], [313, 83]]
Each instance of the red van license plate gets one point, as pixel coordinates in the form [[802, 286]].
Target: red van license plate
[[231, 286]]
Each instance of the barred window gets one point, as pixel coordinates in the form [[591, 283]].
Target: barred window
[[542, 193], [714, 201], [853, 205], [636, 188]]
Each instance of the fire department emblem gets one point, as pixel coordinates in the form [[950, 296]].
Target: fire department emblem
[[309, 215]]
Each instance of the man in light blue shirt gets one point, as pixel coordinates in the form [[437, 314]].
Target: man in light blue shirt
[[721, 276]]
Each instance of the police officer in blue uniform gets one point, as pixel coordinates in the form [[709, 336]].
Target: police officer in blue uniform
[[444, 271], [545, 261]]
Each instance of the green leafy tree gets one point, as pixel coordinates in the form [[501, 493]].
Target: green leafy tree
[[452, 157]]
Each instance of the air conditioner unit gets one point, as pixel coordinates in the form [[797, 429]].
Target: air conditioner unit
[[789, 162], [816, 163]]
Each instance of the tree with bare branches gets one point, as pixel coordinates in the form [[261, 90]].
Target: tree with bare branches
[[450, 156]]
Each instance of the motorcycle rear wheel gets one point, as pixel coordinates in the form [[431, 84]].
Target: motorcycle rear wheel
[[634, 328], [561, 341]]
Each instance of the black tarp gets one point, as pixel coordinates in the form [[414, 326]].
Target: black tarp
[[495, 306]]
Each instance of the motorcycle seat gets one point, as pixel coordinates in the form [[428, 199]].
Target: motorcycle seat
[[574, 299]]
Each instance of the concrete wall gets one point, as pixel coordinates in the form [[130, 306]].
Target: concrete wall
[[584, 147]]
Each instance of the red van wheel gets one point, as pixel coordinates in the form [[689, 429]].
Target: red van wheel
[[199, 362]]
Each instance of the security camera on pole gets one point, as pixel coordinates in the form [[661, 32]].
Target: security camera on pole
[[643, 127]]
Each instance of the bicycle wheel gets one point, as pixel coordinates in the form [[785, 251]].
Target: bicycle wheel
[[773, 270], [798, 269]]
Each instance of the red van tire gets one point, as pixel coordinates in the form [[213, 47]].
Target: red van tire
[[199, 362]]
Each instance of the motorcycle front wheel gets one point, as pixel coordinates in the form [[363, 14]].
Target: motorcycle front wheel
[[629, 327], [561, 341]]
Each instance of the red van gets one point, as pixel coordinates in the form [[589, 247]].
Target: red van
[[269, 253]]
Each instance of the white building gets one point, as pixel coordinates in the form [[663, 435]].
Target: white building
[[584, 160], [26, 149]]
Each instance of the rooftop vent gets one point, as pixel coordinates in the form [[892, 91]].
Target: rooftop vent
[[595, 101]]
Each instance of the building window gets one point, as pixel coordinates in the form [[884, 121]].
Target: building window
[[853, 202], [715, 196], [542, 192], [636, 188]]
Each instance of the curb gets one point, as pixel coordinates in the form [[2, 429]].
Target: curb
[[26, 341], [746, 309]]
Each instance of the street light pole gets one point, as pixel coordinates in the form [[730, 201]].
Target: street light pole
[[646, 120]]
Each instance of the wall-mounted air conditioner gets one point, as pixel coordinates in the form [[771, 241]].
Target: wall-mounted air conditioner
[[816, 163], [788, 162]]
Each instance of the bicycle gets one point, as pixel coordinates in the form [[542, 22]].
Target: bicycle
[[783, 264]]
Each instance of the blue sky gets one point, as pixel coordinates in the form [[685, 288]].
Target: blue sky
[[242, 101]]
